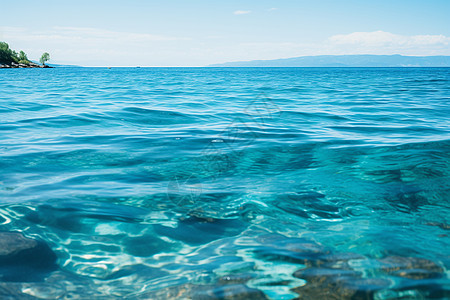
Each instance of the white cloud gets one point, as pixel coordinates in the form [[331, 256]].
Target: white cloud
[[95, 33], [83, 33], [381, 42], [93, 46], [430, 39], [242, 12], [378, 42], [97, 47], [365, 38]]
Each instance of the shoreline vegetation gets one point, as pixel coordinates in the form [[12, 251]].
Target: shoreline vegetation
[[11, 59]]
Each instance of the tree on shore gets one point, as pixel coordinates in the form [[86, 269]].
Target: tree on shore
[[44, 58], [23, 59], [11, 59], [7, 55]]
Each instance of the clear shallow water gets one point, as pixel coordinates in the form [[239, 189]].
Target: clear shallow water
[[211, 183]]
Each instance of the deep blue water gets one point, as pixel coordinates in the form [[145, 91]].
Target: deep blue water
[[210, 183]]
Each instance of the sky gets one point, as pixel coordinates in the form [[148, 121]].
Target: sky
[[201, 32]]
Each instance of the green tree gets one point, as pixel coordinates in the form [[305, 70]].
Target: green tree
[[44, 58], [23, 59], [6, 54]]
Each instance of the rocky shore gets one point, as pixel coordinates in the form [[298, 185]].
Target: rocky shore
[[14, 65]]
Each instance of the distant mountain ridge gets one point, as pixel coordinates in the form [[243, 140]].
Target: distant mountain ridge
[[346, 61]]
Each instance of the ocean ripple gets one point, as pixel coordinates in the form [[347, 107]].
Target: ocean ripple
[[225, 183]]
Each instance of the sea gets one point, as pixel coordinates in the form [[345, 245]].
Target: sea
[[225, 183]]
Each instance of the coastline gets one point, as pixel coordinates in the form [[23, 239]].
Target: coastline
[[14, 65]]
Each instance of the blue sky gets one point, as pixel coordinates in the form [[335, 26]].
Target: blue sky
[[197, 33]]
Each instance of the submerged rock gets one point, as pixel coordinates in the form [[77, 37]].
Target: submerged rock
[[205, 292], [439, 224], [333, 277], [14, 242], [230, 292], [319, 275], [337, 284], [13, 291], [24, 259], [411, 267], [362, 289]]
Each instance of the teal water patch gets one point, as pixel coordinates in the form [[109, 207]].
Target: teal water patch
[[210, 183]]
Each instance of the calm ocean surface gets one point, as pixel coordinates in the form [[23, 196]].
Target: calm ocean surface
[[215, 183]]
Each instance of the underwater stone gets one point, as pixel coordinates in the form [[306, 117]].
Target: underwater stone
[[14, 242], [204, 292], [358, 291], [439, 224], [342, 284], [319, 275], [411, 267], [13, 291], [24, 259], [230, 292], [329, 292], [337, 284], [364, 285]]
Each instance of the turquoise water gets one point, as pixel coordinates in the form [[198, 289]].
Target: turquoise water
[[209, 183]]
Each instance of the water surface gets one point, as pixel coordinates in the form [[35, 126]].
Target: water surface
[[208, 183]]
